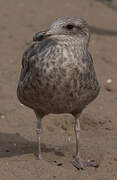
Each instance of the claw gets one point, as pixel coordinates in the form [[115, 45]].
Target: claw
[[81, 165]]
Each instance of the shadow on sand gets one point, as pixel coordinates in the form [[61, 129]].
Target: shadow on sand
[[13, 145], [101, 31]]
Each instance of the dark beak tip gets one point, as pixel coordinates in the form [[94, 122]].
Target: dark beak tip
[[34, 38], [39, 36]]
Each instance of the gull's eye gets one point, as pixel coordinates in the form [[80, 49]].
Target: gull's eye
[[69, 26]]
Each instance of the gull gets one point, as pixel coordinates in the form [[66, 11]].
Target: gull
[[58, 76]]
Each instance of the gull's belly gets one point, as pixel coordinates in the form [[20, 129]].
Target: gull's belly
[[56, 90], [57, 86], [58, 96]]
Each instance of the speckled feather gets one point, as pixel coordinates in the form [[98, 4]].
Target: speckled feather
[[57, 73]]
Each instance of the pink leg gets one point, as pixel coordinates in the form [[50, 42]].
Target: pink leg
[[38, 132], [78, 162]]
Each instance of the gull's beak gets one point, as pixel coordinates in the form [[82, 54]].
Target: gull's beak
[[40, 35]]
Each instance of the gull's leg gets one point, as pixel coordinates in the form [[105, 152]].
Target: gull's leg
[[77, 135], [38, 132], [78, 162]]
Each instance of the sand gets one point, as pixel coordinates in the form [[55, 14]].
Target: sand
[[19, 21]]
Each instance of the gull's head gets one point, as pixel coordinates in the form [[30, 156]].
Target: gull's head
[[67, 26]]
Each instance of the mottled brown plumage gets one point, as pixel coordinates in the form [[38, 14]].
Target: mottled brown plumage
[[57, 74]]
